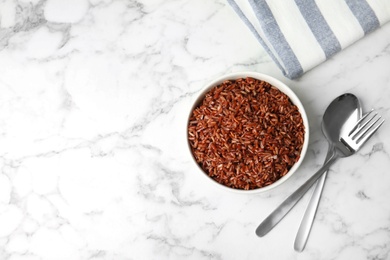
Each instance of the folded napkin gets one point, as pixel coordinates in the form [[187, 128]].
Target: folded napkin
[[300, 34]]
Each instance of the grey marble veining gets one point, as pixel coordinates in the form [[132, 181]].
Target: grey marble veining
[[94, 97]]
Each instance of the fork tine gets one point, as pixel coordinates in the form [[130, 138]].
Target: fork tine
[[360, 131], [358, 123], [369, 131]]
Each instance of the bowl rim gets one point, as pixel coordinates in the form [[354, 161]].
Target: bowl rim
[[283, 88]]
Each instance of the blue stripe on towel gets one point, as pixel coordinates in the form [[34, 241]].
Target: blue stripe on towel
[[276, 38], [319, 27], [364, 14]]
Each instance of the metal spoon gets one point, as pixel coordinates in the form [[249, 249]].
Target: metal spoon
[[348, 110], [345, 141]]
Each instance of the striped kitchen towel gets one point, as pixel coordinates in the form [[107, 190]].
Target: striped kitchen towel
[[300, 34]]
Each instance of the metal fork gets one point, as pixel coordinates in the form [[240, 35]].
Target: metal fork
[[349, 144], [349, 139]]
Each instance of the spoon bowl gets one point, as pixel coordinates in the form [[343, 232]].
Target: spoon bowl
[[339, 118]]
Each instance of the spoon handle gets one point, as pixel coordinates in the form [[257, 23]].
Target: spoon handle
[[311, 210], [290, 202]]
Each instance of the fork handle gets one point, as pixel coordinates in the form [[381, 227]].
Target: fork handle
[[290, 202], [311, 210]]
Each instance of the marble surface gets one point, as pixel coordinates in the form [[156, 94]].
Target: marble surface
[[93, 102]]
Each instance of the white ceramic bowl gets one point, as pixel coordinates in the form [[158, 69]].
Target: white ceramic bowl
[[283, 88]]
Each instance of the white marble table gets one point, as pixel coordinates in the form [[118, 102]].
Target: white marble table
[[93, 103]]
